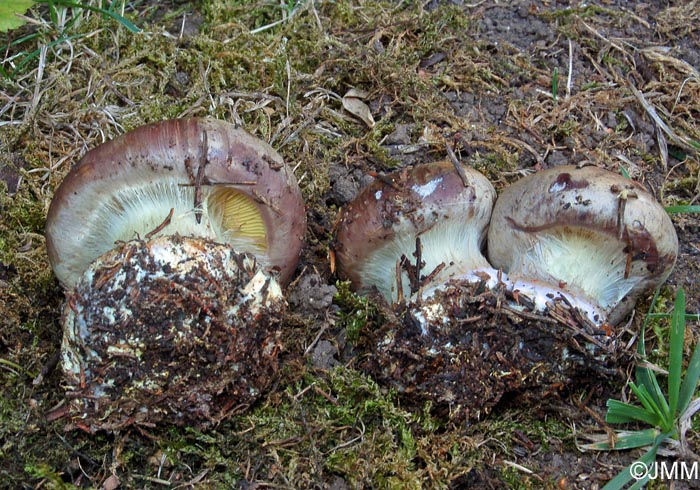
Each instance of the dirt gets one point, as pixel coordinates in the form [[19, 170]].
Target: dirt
[[510, 87], [191, 355]]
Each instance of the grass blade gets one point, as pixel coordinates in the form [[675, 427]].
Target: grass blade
[[693, 317], [67, 3], [641, 349], [690, 382], [622, 413], [29, 57], [624, 440], [638, 438], [625, 476], [682, 209], [645, 376], [649, 403], [648, 381], [675, 354]]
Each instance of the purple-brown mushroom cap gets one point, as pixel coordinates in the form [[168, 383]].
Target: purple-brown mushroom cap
[[598, 238], [449, 213], [220, 182]]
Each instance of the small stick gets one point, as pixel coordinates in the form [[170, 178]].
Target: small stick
[[529, 316], [198, 192], [57, 413], [621, 205], [399, 282], [383, 178], [160, 227], [457, 165], [326, 396], [411, 271], [471, 319], [433, 274], [418, 254], [262, 199]]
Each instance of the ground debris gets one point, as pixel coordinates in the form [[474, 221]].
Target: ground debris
[[463, 350], [177, 330]]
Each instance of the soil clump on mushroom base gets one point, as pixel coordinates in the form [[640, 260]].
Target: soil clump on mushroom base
[[198, 335], [483, 347]]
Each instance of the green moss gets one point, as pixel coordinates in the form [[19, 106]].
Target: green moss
[[660, 327], [49, 477], [356, 312], [567, 128], [515, 479], [496, 162]]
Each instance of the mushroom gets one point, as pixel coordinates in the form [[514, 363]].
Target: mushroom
[[193, 177], [172, 242], [584, 235], [456, 341], [412, 231]]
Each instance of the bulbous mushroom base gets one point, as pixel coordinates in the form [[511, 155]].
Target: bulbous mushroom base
[[177, 329], [466, 347]]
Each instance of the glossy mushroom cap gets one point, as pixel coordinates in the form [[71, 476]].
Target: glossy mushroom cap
[[587, 234], [192, 177], [430, 202]]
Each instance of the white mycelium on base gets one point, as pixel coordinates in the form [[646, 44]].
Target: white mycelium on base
[[162, 329]]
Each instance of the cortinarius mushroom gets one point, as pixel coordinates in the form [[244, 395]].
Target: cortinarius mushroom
[[165, 239], [417, 228], [192, 177], [571, 240], [587, 234]]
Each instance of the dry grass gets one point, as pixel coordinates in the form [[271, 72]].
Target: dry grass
[[624, 99]]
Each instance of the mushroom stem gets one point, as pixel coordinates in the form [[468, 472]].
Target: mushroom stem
[[165, 329]]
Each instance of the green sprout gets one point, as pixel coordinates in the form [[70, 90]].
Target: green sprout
[[682, 209], [663, 412], [624, 172]]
